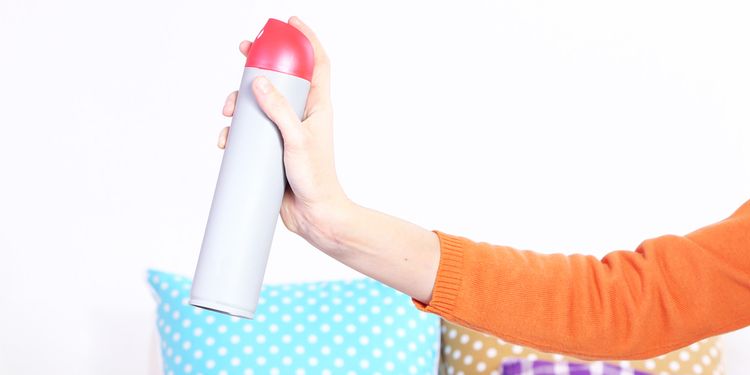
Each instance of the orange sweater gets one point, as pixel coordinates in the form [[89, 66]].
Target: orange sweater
[[669, 293]]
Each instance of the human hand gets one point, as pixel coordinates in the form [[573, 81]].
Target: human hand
[[394, 251], [313, 192]]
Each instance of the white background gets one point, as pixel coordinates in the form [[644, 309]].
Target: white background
[[558, 126]]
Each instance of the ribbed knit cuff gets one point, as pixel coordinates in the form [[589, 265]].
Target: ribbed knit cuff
[[449, 277]]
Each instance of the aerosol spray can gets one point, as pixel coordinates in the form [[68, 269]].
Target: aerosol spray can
[[247, 199]]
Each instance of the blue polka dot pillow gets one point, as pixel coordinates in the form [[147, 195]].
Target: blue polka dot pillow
[[334, 327]]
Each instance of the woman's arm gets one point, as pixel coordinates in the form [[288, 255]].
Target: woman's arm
[[668, 293], [396, 252]]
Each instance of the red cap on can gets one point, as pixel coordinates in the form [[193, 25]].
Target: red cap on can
[[282, 48]]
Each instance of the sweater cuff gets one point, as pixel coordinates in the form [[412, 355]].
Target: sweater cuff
[[449, 277]]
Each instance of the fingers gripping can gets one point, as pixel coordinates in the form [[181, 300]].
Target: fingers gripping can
[[250, 187]]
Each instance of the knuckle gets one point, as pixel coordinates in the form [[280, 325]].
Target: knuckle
[[276, 102], [324, 62]]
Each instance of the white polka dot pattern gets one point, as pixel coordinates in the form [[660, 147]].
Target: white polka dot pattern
[[305, 328]]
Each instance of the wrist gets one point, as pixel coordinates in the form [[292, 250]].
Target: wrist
[[325, 223]]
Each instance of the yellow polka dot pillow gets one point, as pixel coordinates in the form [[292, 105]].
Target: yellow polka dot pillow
[[468, 352]]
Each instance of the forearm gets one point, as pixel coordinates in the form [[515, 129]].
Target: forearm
[[396, 252], [672, 291]]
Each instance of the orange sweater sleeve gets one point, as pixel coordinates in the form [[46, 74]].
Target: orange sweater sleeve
[[668, 293]]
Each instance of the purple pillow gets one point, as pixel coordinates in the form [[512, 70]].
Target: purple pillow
[[516, 366]]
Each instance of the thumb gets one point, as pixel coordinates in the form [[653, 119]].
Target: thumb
[[278, 109]]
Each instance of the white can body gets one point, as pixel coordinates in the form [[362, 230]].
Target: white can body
[[246, 203]]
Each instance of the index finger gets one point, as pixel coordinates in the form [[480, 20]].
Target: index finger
[[245, 46], [320, 87]]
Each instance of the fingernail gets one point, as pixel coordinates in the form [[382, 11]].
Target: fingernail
[[263, 84]]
